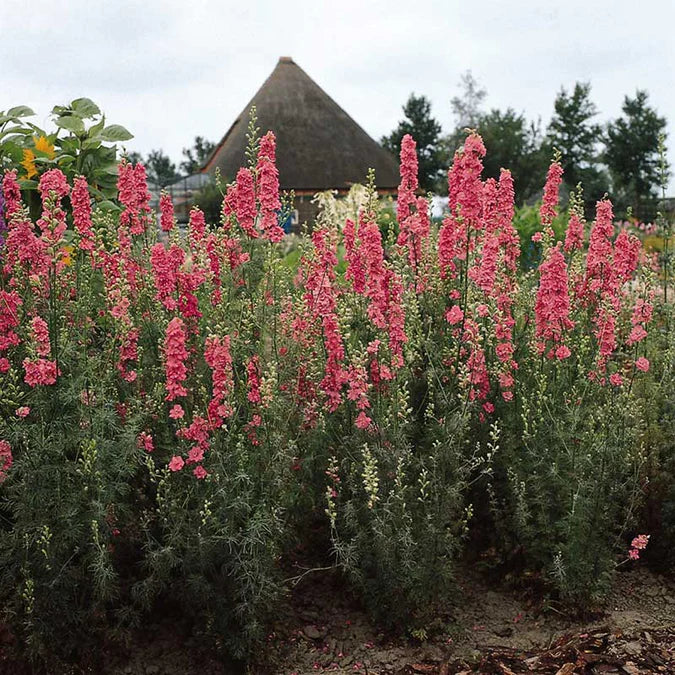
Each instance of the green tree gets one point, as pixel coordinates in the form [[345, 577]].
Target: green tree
[[573, 133], [135, 157], [196, 156], [161, 170], [632, 154], [426, 131], [513, 143]]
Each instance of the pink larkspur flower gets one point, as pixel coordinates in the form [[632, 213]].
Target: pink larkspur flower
[[616, 379], [642, 364], [81, 202], [145, 441], [200, 472], [176, 463], [175, 354], [454, 315], [548, 208], [363, 421], [176, 412], [6, 459], [640, 542], [166, 216]]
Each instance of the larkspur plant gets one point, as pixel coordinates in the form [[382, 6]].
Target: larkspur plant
[[177, 404]]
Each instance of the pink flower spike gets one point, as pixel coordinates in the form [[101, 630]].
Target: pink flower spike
[[640, 542], [23, 411], [642, 364], [6, 459], [166, 214], [200, 472]]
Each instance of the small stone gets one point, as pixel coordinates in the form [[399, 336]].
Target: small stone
[[346, 660], [504, 631], [633, 648], [313, 633], [152, 670]]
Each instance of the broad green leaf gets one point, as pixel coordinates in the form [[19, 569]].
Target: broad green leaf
[[15, 131], [84, 107], [20, 111], [95, 129], [71, 123], [12, 150], [90, 143], [110, 169], [115, 133], [27, 184], [37, 130], [108, 205]]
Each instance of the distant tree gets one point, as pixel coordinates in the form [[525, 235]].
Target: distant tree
[[135, 157], [426, 131], [573, 133], [161, 170], [513, 143], [196, 156], [467, 106], [632, 154], [467, 111]]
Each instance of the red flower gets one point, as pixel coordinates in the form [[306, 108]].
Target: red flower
[[81, 202], [6, 459], [176, 463], [245, 202], [574, 236], [175, 355], [642, 364], [217, 356], [145, 441], [39, 372], [552, 306], [268, 188], [166, 215], [548, 210]]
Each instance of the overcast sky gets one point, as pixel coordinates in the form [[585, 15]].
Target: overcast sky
[[174, 69]]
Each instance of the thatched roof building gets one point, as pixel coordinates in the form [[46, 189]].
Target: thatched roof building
[[319, 146]]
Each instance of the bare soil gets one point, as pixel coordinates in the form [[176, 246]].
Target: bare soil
[[489, 630]]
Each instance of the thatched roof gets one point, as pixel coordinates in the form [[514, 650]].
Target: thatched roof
[[319, 146]]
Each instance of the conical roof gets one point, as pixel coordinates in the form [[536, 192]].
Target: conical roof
[[319, 146]]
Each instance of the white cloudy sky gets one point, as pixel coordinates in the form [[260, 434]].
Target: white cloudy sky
[[169, 70]]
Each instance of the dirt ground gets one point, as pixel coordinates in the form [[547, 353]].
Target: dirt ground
[[491, 630]]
